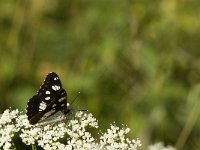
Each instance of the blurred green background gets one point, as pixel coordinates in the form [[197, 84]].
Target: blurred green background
[[135, 62]]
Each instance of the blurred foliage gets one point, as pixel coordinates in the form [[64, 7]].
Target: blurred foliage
[[134, 61]]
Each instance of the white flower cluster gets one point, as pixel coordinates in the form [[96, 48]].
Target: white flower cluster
[[115, 138], [8, 127], [69, 135], [160, 146]]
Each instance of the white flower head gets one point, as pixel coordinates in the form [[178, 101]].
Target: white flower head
[[8, 128], [114, 138], [160, 146], [73, 132]]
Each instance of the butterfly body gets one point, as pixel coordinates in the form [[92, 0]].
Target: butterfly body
[[51, 99]]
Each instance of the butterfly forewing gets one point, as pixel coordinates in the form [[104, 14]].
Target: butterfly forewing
[[50, 99]]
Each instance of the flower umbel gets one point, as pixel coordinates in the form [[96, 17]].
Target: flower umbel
[[160, 146], [8, 127], [72, 133], [115, 138]]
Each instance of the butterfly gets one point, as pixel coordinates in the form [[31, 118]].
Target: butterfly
[[49, 102]]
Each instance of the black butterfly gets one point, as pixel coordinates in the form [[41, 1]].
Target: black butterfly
[[50, 100]]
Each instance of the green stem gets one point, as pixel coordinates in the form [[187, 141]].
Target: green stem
[[34, 147]]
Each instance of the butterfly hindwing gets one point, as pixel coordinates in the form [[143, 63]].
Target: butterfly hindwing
[[33, 107], [50, 99]]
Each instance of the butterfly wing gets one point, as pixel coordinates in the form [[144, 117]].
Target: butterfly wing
[[50, 99]]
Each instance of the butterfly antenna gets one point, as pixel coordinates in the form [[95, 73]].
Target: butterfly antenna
[[75, 98], [79, 109], [82, 110], [74, 101]]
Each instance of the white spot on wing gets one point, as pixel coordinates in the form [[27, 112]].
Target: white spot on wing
[[56, 78], [48, 92], [42, 106], [61, 99], [58, 87], [54, 105], [47, 98], [55, 87]]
